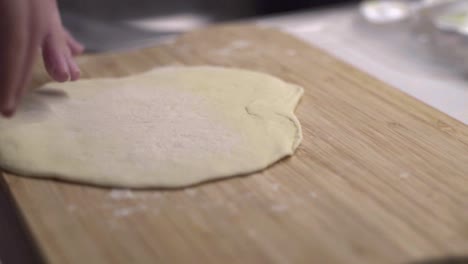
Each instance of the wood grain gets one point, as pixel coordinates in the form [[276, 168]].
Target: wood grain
[[379, 178]]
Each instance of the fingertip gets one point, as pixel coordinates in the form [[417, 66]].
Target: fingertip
[[79, 49], [76, 51], [55, 59], [58, 68], [8, 110], [73, 69], [75, 75], [60, 75], [8, 113]]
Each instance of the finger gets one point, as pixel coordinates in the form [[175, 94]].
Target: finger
[[76, 48], [13, 54], [28, 65], [35, 31], [73, 68], [53, 48], [55, 59]]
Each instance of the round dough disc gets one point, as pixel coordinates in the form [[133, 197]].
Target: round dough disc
[[169, 127]]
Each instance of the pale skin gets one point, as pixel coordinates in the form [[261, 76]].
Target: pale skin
[[27, 27]]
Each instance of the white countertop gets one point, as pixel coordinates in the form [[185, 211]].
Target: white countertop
[[388, 55]]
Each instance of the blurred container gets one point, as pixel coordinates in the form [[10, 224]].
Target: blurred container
[[385, 11], [438, 26], [447, 34]]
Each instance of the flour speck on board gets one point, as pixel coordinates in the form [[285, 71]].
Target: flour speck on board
[[240, 44], [404, 174], [71, 208], [127, 211], [251, 233], [291, 52], [275, 187], [121, 194], [279, 208], [313, 194], [233, 46], [123, 212], [191, 192]]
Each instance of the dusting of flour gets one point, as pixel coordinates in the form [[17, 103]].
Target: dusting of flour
[[166, 124], [233, 46]]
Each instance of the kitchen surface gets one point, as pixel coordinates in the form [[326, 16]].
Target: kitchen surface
[[381, 175]]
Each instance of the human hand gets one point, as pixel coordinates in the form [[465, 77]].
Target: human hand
[[26, 26]]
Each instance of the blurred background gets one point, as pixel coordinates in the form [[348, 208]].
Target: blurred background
[[108, 25], [112, 24], [418, 46]]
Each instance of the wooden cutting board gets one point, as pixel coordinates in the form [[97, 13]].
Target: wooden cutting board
[[379, 178]]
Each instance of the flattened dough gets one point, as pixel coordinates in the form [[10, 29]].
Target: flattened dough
[[169, 127]]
